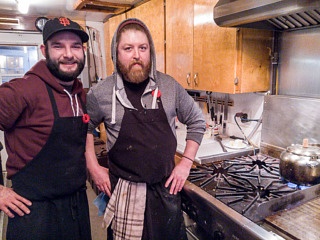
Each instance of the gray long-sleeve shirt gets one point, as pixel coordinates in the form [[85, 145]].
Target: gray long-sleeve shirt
[[107, 97]]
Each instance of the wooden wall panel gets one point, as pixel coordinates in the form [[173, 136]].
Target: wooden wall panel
[[179, 40], [109, 28], [255, 60], [152, 14], [214, 50]]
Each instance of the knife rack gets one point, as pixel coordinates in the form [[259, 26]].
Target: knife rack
[[212, 100]]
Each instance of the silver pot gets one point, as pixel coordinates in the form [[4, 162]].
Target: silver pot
[[300, 164]]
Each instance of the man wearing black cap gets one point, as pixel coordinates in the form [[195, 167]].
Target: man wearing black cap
[[44, 120]]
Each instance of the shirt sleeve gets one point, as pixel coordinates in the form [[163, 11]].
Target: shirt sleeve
[[94, 111], [12, 104]]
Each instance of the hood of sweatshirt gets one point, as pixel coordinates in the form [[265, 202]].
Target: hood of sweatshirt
[[118, 89], [114, 45], [41, 70]]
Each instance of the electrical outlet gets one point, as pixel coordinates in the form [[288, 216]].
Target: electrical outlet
[[244, 118]]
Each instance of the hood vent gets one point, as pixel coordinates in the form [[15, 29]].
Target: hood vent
[[278, 15], [101, 6]]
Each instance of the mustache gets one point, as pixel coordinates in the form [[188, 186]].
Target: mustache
[[134, 62]]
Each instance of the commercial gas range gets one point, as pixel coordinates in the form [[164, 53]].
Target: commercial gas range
[[230, 199], [241, 195]]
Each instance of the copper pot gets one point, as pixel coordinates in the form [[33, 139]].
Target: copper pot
[[300, 164]]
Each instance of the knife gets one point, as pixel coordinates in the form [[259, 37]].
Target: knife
[[225, 113], [216, 109], [209, 104], [226, 102], [212, 113], [208, 107], [221, 111], [212, 109]]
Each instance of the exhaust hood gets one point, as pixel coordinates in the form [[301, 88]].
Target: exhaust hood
[[106, 6], [278, 15], [101, 6]]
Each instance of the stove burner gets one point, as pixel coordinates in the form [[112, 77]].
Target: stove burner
[[242, 183]]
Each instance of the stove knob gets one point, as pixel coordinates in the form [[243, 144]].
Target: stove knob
[[193, 212], [184, 206], [218, 235]]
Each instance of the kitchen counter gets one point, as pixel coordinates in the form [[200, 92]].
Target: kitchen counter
[[210, 149]]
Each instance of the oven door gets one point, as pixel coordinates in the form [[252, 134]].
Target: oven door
[[194, 231], [215, 220]]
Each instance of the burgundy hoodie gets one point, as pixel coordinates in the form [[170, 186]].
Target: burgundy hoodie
[[26, 115]]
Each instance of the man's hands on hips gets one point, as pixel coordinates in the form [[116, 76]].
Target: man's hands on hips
[[179, 176]]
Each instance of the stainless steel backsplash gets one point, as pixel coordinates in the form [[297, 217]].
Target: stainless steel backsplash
[[288, 120]]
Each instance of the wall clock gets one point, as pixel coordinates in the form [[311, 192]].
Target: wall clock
[[40, 22]]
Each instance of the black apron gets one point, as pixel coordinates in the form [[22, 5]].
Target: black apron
[[55, 182], [144, 152]]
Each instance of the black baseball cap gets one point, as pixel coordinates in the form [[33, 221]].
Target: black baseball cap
[[55, 25]]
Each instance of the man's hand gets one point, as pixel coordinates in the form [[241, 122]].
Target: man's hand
[[11, 201], [100, 177], [181, 171], [179, 176], [99, 174]]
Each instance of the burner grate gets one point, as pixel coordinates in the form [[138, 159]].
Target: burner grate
[[242, 183]]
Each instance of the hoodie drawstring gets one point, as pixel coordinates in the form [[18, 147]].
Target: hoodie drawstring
[[75, 96], [76, 114], [113, 110]]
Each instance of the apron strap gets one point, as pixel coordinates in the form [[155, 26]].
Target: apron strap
[[53, 102]]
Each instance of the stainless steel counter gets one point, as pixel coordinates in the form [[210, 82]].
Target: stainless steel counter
[[211, 151]]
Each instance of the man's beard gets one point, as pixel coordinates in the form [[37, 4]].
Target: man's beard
[[134, 75], [53, 67]]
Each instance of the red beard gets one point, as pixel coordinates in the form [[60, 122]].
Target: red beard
[[135, 74]]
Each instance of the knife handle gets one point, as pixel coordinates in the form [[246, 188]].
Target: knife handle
[[212, 113]]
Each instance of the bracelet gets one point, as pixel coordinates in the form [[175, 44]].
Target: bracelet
[[188, 158]]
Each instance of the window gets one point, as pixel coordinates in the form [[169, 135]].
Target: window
[[23, 50], [15, 61]]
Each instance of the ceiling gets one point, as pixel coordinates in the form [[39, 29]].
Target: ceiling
[[89, 10]]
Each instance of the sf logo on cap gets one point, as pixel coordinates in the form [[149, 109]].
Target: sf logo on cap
[[64, 21]]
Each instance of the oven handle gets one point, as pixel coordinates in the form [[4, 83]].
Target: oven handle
[[191, 234]]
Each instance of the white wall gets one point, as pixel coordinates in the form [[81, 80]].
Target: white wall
[[250, 103], [102, 72]]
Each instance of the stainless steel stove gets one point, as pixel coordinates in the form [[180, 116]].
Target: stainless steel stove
[[230, 198], [241, 195]]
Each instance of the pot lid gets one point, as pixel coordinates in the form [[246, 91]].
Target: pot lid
[[308, 150]]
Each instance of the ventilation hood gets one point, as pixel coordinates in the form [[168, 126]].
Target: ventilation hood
[[106, 6], [101, 6], [278, 15]]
